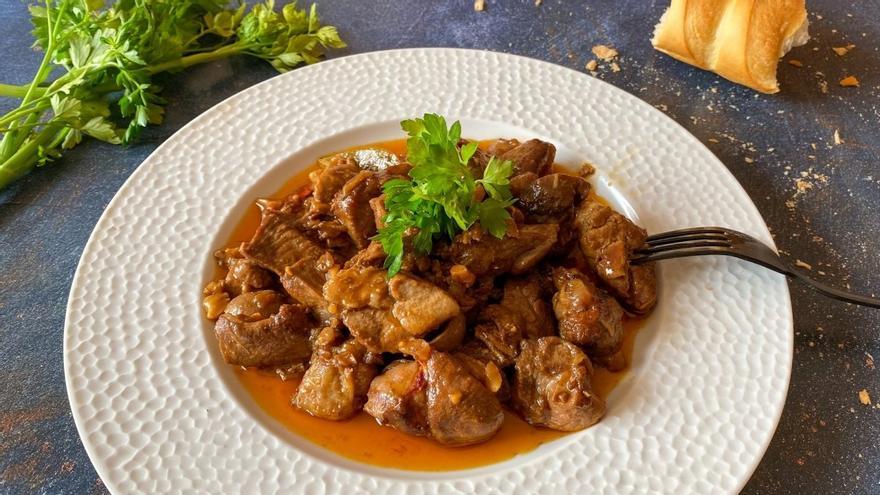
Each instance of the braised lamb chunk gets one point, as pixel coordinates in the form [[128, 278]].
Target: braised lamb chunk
[[587, 315], [398, 398], [501, 146], [534, 156], [242, 275], [382, 313], [501, 332], [552, 386], [519, 184], [278, 339], [450, 335], [351, 206], [608, 240], [461, 411], [519, 251], [418, 305], [377, 204], [438, 398], [304, 282], [522, 313], [253, 306], [279, 243], [335, 385], [551, 198], [525, 296], [487, 372], [335, 171]]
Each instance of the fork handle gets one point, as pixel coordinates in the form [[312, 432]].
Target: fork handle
[[834, 293], [777, 265]]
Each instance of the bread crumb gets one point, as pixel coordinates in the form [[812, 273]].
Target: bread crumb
[[605, 53], [796, 63], [479, 5], [803, 264], [538, 3], [749, 160], [869, 361], [842, 50], [615, 67], [592, 65], [823, 87], [864, 397], [837, 139], [713, 140], [849, 82]]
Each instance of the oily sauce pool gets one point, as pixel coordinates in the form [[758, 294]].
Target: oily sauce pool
[[361, 438]]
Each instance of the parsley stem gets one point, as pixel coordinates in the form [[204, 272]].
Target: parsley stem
[[20, 163], [197, 58], [13, 91]]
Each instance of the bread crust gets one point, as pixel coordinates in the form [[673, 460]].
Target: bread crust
[[740, 40]]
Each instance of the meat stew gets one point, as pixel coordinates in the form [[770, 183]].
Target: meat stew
[[475, 334]]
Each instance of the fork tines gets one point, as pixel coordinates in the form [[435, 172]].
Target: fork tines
[[700, 239]]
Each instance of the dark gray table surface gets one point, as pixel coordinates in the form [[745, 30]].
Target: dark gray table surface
[[827, 440]]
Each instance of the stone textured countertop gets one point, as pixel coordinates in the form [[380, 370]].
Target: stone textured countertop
[[821, 200]]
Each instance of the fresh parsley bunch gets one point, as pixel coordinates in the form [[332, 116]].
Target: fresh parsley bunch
[[441, 197], [107, 55]]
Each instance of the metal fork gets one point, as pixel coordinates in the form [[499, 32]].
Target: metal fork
[[703, 241]]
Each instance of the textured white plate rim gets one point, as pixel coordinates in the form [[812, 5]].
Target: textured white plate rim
[[100, 465]]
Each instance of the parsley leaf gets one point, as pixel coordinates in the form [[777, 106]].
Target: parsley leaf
[[440, 199], [107, 52]]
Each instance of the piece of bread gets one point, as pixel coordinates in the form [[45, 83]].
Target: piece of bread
[[740, 40]]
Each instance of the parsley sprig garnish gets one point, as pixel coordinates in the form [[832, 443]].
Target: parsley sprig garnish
[[105, 57], [441, 196]]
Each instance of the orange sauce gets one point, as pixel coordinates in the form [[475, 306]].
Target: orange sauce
[[361, 438]]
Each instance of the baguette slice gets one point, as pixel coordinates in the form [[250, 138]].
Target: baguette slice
[[740, 40]]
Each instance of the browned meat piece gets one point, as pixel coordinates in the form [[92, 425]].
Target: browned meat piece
[[551, 386], [358, 287], [373, 255], [520, 183], [587, 315], [278, 242], [398, 398], [522, 313], [242, 275], [450, 336], [607, 240], [279, 339], [533, 155], [377, 204], [418, 305], [336, 383], [501, 332], [439, 399], [304, 282], [377, 329], [253, 306], [487, 372], [519, 251], [351, 206], [525, 296], [551, 198], [502, 146], [461, 411], [335, 171], [383, 313]]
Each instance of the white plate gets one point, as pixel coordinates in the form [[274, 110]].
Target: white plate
[[159, 412]]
